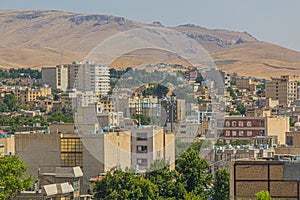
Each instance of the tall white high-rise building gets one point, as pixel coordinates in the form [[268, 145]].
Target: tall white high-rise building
[[88, 77]]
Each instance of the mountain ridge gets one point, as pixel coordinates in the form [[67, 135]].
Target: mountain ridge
[[38, 38]]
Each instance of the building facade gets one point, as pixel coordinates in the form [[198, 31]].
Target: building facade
[[55, 77], [26, 95], [283, 89], [279, 177], [245, 128], [149, 144]]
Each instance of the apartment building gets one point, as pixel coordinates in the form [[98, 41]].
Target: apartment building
[[284, 89], [85, 77], [243, 83], [89, 77], [172, 110], [56, 77], [187, 131], [26, 95], [7, 144], [226, 78], [148, 106], [94, 153], [62, 183], [245, 128], [151, 143]]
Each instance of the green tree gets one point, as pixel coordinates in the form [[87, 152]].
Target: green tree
[[199, 78], [11, 102], [263, 195], [58, 116], [193, 173], [121, 185], [55, 94], [12, 177], [292, 121], [160, 174], [232, 93], [241, 108], [221, 185], [143, 120], [191, 196], [156, 90]]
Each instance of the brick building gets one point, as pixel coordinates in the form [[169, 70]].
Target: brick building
[[279, 177], [245, 128]]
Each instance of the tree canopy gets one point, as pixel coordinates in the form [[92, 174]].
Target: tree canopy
[[9, 103], [263, 195], [143, 119], [221, 185], [58, 116], [12, 177], [190, 180], [125, 185]]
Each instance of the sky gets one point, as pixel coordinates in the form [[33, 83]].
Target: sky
[[274, 21]]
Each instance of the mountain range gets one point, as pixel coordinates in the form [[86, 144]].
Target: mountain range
[[47, 37]]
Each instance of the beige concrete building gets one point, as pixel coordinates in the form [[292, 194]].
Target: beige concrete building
[[283, 89], [7, 145], [26, 95], [149, 144], [148, 106], [278, 126], [187, 131], [56, 77], [62, 184], [62, 128], [243, 83], [94, 153], [272, 103], [245, 128]]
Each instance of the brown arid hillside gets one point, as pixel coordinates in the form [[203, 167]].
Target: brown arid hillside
[[43, 38], [259, 59]]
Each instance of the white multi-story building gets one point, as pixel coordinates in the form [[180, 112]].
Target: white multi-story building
[[84, 77], [88, 77]]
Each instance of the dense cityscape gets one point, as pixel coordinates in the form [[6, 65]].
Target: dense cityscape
[[97, 106], [149, 138]]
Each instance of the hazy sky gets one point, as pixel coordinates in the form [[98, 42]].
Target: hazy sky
[[275, 21]]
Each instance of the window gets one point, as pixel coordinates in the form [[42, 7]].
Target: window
[[71, 152], [233, 133], [227, 133], [75, 185], [249, 133], [241, 133], [262, 123], [234, 123], [141, 149], [289, 140], [142, 161], [141, 137], [227, 123], [249, 124], [241, 123]]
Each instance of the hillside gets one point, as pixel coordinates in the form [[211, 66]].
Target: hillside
[[259, 59], [41, 38]]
